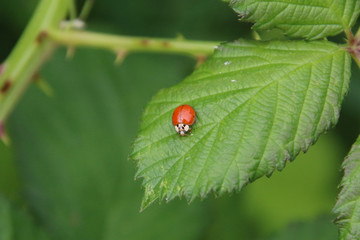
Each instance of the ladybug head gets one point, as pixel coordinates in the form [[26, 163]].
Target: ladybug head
[[182, 129]]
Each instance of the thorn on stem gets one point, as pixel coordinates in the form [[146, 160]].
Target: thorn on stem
[[70, 52], [145, 42], [200, 59], [2, 67], [5, 87], [3, 136], [42, 84], [35, 77], [2, 130], [166, 44], [180, 37], [41, 36], [120, 56]]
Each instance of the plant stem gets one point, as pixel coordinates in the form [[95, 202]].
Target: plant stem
[[86, 9], [29, 53], [353, 46], [72, 10], [356, 59], [131, 44]]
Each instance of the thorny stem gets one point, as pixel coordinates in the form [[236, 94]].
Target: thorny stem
[[131, 44], [29, 54], [43, 34], [353, 46]]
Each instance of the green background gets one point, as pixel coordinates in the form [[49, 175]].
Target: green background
[[68, 167]]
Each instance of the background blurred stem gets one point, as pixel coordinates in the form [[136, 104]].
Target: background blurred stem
[[86, 9], [131, 44], [72, 10], [29, 53]]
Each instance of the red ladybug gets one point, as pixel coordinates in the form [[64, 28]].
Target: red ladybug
[[183, 117]]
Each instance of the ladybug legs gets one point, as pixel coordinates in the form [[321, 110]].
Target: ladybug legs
[[182, 129]]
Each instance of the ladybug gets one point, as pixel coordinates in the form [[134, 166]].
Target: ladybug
[[183, 117]]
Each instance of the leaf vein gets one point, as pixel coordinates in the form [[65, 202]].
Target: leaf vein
[[301, 112], [270, 132], [325, 98]]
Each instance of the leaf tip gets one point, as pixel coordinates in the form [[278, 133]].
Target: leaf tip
[[148, 199]]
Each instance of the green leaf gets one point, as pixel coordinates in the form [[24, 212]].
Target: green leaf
[[347, 206], [258, 104], [16, 224], [310, 19]]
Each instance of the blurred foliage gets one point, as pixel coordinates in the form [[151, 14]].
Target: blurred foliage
[[16, 223], [77, 176], [305, 190], [300, 192], [70, 151], [9, 178], [319, 229]]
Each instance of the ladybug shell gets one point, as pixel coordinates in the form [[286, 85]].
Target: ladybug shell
[[184, 114]]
